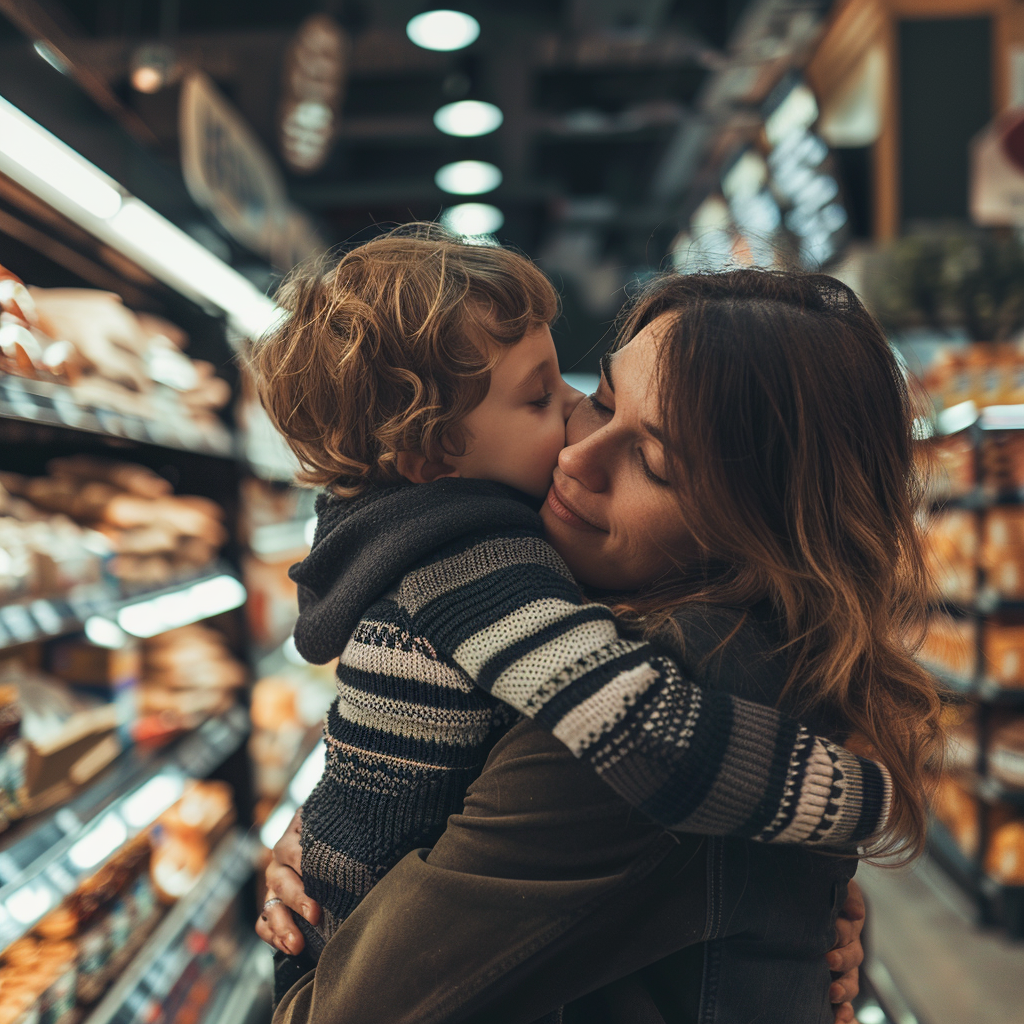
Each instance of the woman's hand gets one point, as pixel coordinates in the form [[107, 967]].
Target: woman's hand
[[847, 955], [276, 925]]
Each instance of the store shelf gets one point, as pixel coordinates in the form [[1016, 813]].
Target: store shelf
[[991, 789], [988, 689], [998, 903], [44, 858], [162, 961], [247, 996], [43, 618], [951, 680], [985, 689], [33, 401]]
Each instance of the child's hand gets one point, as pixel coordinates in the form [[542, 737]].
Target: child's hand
[[276, 925]]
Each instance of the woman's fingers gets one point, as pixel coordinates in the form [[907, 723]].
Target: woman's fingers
[[854, 909], [276, 926], [845, 988], [288, 886], [288, 850], [844, 1014]]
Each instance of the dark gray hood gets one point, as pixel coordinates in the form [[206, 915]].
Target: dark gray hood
[[362, 546]]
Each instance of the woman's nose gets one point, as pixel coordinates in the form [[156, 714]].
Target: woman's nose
[[586, 462]]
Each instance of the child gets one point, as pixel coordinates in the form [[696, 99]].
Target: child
[[418, 382]]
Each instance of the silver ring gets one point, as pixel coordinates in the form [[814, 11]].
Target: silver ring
[[272, 902]]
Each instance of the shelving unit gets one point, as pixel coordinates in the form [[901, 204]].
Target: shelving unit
[[995, 902], [43, 859], [204, 948], [163, 963]]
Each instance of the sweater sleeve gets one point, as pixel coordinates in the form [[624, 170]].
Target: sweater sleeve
[[508, 613]]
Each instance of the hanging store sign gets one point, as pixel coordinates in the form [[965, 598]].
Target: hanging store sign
[[228, 172], [997, 172], [314, 79]]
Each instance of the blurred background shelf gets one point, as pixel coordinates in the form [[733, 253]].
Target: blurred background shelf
[[43, 859], [171, 963], [44, 618], [32, 401]]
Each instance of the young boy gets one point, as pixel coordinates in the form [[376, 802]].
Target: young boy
[[418, 382]]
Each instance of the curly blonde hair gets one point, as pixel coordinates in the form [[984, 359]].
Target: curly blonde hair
[[390, 348]]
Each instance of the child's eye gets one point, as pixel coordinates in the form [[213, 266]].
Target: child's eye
[[543, 403], [599, 406]]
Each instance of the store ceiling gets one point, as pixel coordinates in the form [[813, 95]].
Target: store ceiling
[[605, 108]]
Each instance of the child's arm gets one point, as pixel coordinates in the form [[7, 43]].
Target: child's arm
[[507, 611]]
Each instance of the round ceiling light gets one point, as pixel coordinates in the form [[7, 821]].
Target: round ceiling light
[[468, 177], [473, 219], [468, 117], [443, 30]]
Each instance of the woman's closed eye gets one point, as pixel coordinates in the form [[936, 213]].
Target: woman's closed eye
[[543, 403], [648, 472], [599, 406]]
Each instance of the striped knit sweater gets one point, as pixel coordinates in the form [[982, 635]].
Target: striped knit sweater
[[452, 616]]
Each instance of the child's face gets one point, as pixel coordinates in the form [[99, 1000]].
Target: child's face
[[515, 434]]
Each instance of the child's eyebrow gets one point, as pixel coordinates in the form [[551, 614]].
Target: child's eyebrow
[[532, 376]]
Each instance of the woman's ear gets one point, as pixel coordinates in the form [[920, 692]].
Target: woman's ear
[[420, 470]]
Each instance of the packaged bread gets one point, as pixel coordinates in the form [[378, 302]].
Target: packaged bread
[[951, 547], [127, 476]]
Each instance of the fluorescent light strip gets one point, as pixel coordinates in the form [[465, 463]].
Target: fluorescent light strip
[[182, 607], [47, 167]]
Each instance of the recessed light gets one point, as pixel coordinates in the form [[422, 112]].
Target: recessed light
[[468, 177], [467, 118], [443, 30]]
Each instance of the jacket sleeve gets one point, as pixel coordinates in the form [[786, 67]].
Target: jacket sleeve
[[508, 613], [545, 887]]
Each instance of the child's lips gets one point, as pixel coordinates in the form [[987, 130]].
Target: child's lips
[[568, 515]]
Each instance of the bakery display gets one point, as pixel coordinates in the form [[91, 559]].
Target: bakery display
[[152, 535], [108, 356]]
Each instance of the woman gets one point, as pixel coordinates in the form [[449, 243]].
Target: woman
[[743, 482]]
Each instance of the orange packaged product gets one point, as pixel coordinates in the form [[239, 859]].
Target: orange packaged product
[[206, 809], [1002, 463], [951, 643], [1003, 649], [949, 378], [1004, 860], [951, 547], [1002, 550]]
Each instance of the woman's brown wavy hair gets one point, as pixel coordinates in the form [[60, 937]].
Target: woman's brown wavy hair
[[792, 430], [389, 348]]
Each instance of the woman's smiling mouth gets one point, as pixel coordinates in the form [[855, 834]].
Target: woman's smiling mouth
[[570, 517]]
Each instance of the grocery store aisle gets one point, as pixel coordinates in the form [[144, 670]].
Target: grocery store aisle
[[948, 970]]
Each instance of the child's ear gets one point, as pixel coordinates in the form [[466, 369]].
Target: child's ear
[[418, 469]]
